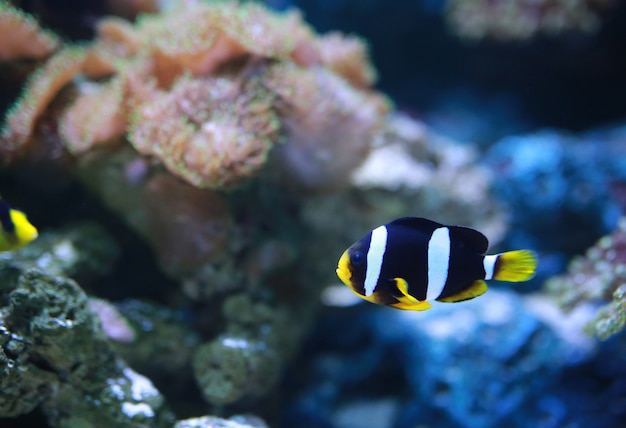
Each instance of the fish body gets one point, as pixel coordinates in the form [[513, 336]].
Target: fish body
[[412, 261], [16, 231]]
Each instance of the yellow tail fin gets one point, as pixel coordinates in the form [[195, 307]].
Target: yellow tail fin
[[515, 266]]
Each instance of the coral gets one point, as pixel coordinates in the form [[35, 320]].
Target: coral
[[325, 119], [545, 176], [214, 422], [203, 98], [131, 8], [247, 358], [213, 132], [231, 367], [488, 363], [98, 116], [22, 37], [201, 230], [162, 341], [114, 325], [224, 31], [599, 276], [521, 19], [116, 41], [190, 229], [90, 386], [411, 171], [81, 251], [43, 315], [41, 88], [347, 56]]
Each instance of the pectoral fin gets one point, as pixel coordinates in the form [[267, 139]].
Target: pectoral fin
[[405, 300]]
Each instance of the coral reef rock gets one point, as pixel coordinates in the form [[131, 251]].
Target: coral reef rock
[[215, 422], [246, 359], [545, 177], [598, 276], [45, 317], [476, 365], [507, 20]]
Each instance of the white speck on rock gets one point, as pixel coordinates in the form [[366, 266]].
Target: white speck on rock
[[140, 409], [141, 387], [235, 343]]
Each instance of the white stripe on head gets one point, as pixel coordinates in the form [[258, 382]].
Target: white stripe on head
[[438, 262], [375, 256], [489, 263]]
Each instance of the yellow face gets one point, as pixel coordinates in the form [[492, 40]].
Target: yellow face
[[351, 271], [351, 268], [25, 232], [343, 269]]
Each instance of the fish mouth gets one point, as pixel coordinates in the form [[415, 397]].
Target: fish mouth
[[343, 276], [343, 272]]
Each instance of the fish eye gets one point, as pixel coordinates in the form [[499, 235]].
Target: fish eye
[[357, 258]]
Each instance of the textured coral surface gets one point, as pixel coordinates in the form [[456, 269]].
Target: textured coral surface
[[195, 168]]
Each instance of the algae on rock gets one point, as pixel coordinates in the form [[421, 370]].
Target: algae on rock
[[53, 350], [597, 277]]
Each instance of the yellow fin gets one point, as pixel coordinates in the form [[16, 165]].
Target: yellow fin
[[24, 232], [406, 301], [477, 288], [515, 266]]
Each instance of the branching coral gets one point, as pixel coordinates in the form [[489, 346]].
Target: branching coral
[[22, 37], [597, 277], [521, 19]]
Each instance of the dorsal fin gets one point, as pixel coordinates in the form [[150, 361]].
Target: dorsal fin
[[475, 240], [5, 217], [417, 223]]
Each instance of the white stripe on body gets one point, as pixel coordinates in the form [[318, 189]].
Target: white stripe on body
[[489, 263], [375, 256], [438, 262]]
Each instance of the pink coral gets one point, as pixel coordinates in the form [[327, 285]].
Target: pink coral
[[208, 89], [42, 87], [117, 40], [212, 132], [347, 56], [22, 37], [329, 125], [114, 325], [97, 116], [195, 225]]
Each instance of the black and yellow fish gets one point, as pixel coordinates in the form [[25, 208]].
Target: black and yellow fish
[[412, 261], [16, 231]]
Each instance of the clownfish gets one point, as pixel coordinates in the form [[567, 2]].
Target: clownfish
[[412, 261], [16, 231]]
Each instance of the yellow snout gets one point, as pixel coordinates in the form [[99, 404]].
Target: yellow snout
[[343, 269]]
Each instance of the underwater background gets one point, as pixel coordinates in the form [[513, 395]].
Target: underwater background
[[196, 168]]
